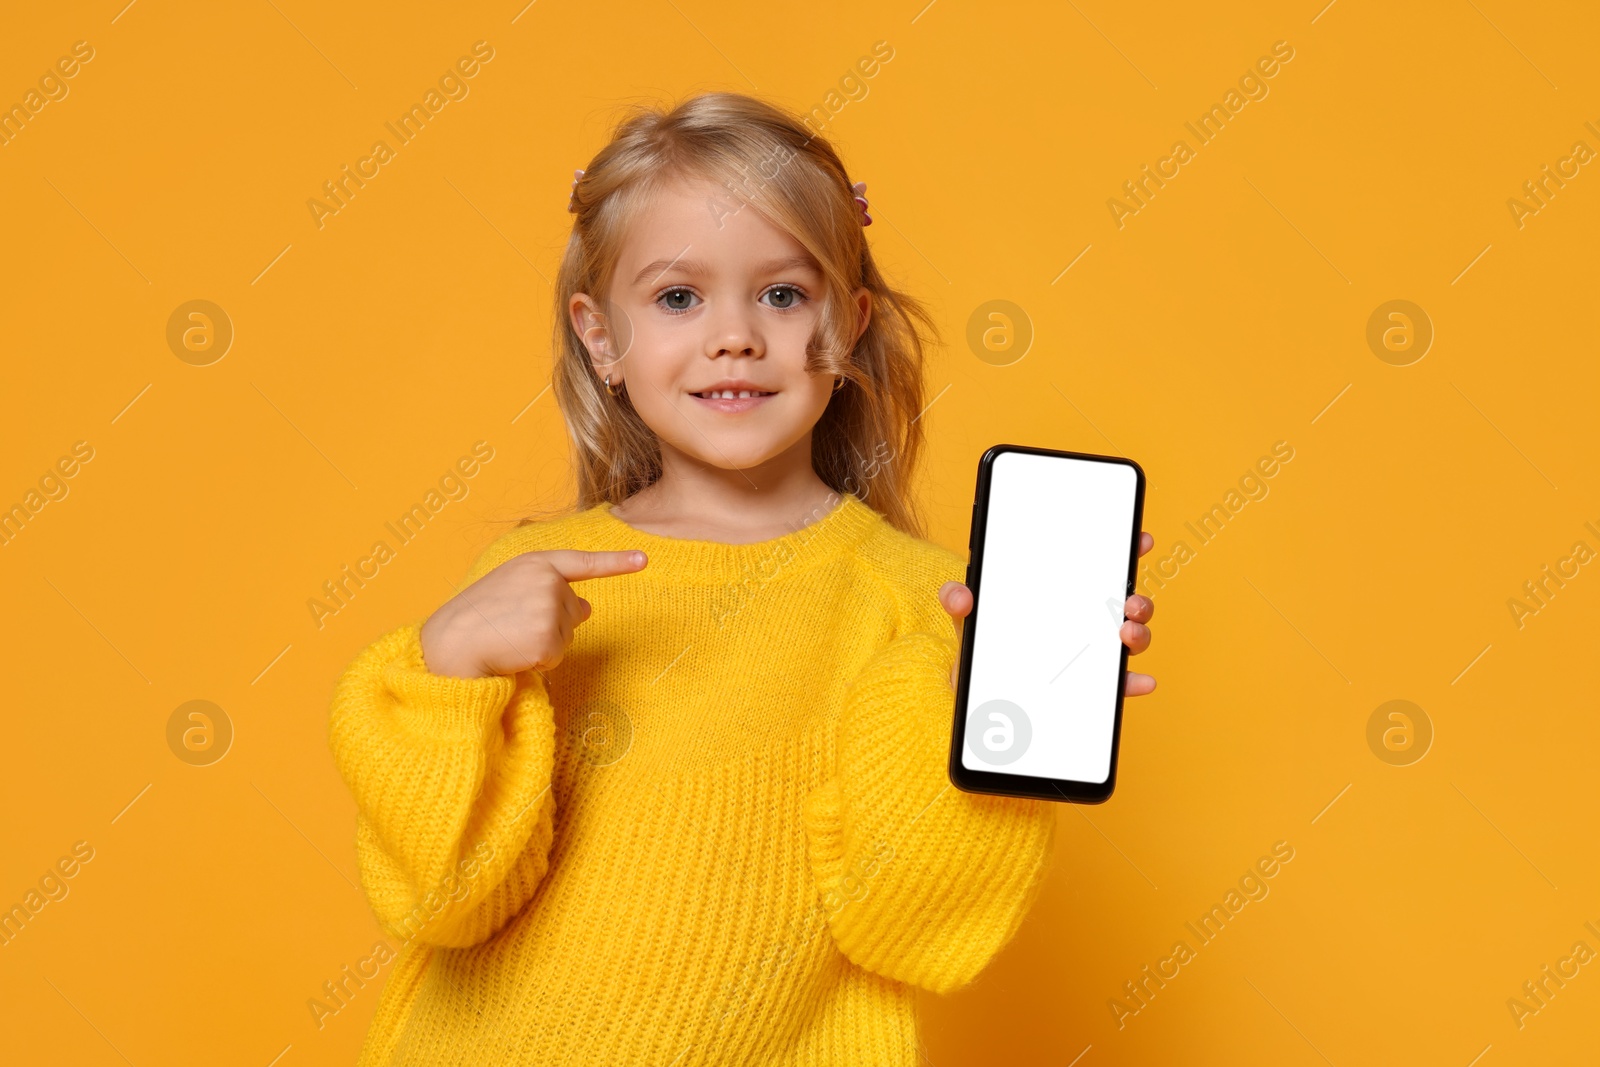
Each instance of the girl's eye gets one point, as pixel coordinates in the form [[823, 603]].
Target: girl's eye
[[675, 301], [788, 294]]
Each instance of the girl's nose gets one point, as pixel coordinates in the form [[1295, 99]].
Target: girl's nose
[[733, 332]]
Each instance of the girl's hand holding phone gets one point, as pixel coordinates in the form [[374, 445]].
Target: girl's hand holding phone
[[520, 615], [957, 600]]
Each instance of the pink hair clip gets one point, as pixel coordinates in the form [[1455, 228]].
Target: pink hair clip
[[577, 176], [860, 189]]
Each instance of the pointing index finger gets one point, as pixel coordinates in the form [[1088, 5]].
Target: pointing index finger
[[575, 564]]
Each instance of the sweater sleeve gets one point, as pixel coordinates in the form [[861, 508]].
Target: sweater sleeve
[[451, 778], [920, 882]]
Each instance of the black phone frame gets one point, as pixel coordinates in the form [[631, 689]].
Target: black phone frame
[[999, 783]]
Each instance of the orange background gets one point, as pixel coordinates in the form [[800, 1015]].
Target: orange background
[[1228, 314]]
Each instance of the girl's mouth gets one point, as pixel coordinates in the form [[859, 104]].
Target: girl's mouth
[[732, 401]]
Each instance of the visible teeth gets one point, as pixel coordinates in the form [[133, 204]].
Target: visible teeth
[[729, 394]]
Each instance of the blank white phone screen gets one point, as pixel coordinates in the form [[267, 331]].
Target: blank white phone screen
[[1042, 696]]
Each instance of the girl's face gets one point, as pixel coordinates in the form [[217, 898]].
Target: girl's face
[[708, 297]]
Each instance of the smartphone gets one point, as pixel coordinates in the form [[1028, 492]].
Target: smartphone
[[1054, 549]]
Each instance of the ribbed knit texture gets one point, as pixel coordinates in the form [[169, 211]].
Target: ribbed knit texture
[[720, 831]]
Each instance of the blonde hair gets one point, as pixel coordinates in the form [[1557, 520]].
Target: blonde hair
[[869, 439]]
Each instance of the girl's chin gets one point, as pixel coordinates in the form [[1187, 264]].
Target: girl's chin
[[733, 451]]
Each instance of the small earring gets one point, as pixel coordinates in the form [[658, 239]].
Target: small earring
[[613, 391], [838, 383]]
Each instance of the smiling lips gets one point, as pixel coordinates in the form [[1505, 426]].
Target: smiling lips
[[732, 396], [732, 401]]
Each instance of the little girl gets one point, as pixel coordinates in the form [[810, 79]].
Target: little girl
[[666, 783]]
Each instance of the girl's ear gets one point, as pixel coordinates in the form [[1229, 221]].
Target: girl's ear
[[594, 329], [862, 298]]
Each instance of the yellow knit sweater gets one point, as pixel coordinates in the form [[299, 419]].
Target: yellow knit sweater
[[720, 831]]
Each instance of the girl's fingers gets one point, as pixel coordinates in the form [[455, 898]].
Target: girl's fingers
[[1139, 684], [578, 609], [956, 598], [1146, 542], [1139, 608], [1136, 635]]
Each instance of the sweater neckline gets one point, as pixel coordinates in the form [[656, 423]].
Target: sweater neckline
[[823, 539]]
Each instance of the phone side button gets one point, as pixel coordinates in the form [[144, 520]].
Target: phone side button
[[968, 581]]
